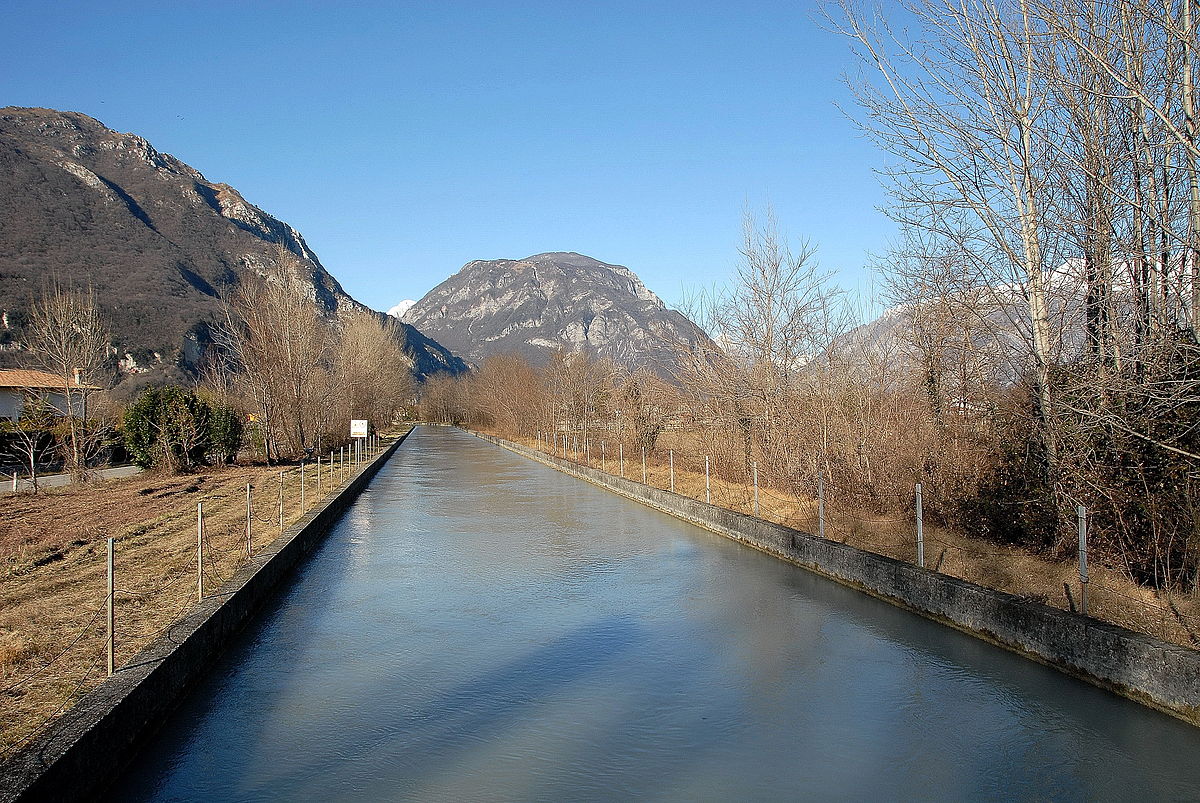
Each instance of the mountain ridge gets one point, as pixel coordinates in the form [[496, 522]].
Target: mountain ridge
[[162, 246]]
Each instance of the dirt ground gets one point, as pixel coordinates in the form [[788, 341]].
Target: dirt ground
[[1112, 597], [53, 565]]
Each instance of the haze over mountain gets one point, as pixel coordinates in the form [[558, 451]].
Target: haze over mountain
[[546, 302], [160, 244]]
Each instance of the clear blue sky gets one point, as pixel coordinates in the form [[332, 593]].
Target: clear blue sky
[[406, 139]]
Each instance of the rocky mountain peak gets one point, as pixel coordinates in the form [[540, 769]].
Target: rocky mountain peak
[[551, 301]]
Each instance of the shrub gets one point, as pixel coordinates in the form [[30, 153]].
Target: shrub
[[172, 429], [225, 431]]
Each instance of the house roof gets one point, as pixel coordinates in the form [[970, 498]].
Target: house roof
[[23, 378]]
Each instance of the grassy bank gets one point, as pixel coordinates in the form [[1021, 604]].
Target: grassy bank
[[1112, 597], [53, 561]]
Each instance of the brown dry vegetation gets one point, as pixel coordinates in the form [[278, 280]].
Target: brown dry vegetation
[[53, 564], [1112, 597]]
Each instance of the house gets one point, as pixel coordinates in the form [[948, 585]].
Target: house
[[17, 385]]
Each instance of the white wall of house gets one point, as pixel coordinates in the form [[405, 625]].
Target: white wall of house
[[12, 401]]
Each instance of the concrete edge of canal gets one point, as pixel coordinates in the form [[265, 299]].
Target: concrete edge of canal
[[1155, 673], [87, 747]]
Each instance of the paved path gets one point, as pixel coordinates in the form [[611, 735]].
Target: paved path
[[55, 480]]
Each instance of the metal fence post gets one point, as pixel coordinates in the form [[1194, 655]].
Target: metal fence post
[[1081, 513], [821, 502], [318, 475], [603, 455], [199, 551], [621, 455], [671, 454], [111, 616], [756, 489], [249, 518], [644, 466], [281, 503], [920, 530], [303, 482], [707, 484]]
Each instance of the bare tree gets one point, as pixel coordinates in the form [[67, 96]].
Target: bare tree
[[68, 338], [963, 104], [29, 436], [773, 327], [510, 394], [280, 351], [373, 375]]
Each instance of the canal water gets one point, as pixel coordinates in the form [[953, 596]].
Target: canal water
[[482, 627]]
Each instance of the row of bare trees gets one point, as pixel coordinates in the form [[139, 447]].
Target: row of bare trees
[[572, 393], [1046, 180], [296, 375], [301, 376]]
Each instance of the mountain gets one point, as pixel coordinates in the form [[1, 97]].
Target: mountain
[[982, 333], [160, 245], [546, 302], [401, 308]]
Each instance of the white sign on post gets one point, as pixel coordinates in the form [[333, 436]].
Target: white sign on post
[[358, 428]]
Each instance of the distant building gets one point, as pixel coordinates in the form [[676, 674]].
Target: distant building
[[18, 385]]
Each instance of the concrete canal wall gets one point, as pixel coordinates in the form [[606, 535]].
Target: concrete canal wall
[[87, 747], [1155, 673]]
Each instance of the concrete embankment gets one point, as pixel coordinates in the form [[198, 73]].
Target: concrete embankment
[[1161, 675], [86, 747]]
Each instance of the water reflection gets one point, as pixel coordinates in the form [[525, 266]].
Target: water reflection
[[481, 627]]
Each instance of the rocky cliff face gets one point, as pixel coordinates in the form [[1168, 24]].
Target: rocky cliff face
[[161, 245], [537, 305]]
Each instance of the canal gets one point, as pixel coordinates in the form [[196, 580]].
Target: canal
[[482, 627]]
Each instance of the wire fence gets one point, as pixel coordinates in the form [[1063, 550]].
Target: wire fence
[[1102, 592], [147, 578]]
